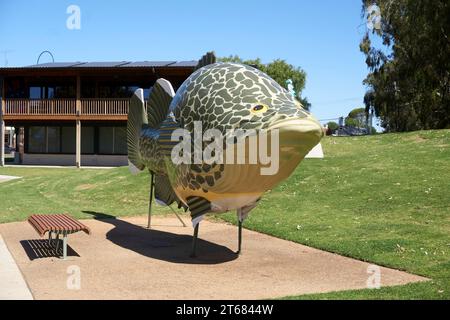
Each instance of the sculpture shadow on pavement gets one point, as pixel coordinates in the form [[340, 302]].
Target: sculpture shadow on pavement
[[162, 245]]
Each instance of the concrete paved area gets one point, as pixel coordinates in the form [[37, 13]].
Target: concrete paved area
[[4, 178], [55, 167], [123, 260], [12, 284]]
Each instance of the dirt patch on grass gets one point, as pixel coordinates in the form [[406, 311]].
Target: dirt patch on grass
[[415, 138], [86, 186]]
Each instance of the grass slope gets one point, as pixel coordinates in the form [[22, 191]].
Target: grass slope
[[383, 199], [49, 190]]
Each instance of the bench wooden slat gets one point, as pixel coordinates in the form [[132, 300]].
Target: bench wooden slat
[[42, 225], [62, 223], [37, 226], [79, 224], [57, 223], [48, 226]]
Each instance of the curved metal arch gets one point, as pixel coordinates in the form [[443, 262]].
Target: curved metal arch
[[45, 51]]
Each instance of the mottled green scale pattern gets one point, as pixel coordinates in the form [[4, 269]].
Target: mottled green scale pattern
[[221, 96]]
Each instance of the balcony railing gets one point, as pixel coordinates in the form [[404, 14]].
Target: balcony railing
[[104, 106], [40, 107], [97, 106]]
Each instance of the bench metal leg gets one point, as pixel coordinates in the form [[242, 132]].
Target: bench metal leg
[[57, 242], [65, 245]]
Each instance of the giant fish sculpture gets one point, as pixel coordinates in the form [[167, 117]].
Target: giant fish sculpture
[[222, 99]]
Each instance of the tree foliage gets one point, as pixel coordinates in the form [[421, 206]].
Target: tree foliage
[[332, 126], [408, 86], [357, 118], [280, 71]]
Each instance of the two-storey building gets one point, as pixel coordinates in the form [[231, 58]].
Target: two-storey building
[[75, 113]]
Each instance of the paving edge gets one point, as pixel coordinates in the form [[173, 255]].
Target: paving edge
[[12, 283]]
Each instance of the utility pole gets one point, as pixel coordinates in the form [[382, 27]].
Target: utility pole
[[2, 124], [5, 54]]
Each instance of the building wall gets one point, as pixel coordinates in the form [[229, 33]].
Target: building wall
[[9, 137], [69, 160]]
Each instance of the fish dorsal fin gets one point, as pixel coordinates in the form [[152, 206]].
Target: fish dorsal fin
[[208, 58], [159, 100]]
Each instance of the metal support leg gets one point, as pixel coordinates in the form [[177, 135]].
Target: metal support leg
[[194, 241], [57, 242], [2, 135], [50, 238], [239, 237], [149, 223], [179, 218], [65, 245]]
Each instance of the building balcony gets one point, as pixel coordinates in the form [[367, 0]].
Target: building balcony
[[66, 109]]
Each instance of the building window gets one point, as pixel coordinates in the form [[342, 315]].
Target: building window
[[120, 140], [44, 140], [68, 143], [112, 140], [105, 140], [87, 140], [37, 140], [36, 93], [53, 139]]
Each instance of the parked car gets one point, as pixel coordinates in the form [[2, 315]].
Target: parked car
[[8, 149]]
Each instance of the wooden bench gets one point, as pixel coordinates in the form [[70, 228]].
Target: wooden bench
[[59, 224]]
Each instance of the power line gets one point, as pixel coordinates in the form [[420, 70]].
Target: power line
[[337, 101], [331, 119]]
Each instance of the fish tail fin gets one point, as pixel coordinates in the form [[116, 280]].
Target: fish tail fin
[[137, 118]]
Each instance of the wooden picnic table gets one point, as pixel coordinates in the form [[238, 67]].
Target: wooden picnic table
[[59, 224]]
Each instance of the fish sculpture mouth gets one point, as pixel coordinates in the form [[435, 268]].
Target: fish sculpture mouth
[[297, 135], [306, 127]]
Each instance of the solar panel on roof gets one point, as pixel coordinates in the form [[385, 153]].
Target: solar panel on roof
[[55, 65], [150, 64], [113, 64], [192, 63], [103, 64]]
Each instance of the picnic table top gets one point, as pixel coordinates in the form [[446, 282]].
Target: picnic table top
[[43, 223]]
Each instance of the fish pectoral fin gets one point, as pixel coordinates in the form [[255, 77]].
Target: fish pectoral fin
[[159, 101], [207, 59], [164, 193], [198, 206]]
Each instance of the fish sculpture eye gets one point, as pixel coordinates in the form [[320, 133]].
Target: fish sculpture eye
[[259, 108]]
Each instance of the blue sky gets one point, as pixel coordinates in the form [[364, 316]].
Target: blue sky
[[320, 37]]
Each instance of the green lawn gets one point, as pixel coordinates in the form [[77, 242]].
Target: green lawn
[[383, 199], [76, 191]]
